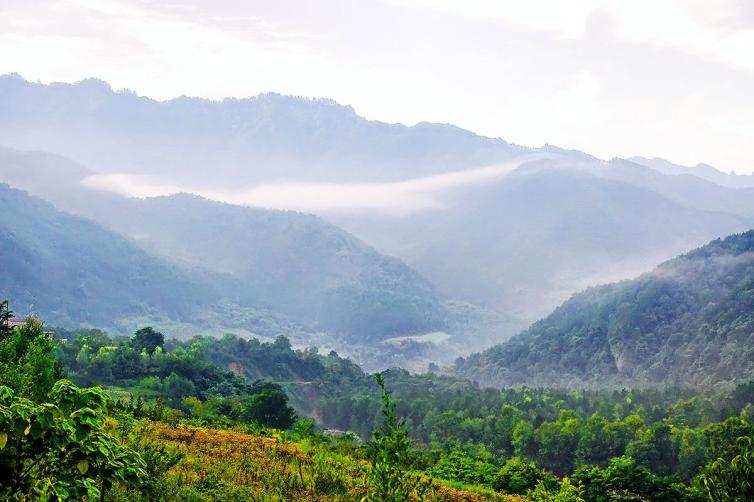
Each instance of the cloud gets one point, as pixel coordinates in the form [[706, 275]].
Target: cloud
[[401, 197], [704, 28], [739, 128], [566, 19], [130, 185]]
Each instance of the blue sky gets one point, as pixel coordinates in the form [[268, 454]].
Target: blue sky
[[614, 78]]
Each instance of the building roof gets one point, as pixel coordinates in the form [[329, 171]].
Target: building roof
[[16, 321]]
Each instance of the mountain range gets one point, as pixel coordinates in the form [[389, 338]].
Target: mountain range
[[499, 236], [231, 142]]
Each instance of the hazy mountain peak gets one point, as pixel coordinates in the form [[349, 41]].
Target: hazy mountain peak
[[700, 170], [246, 141]]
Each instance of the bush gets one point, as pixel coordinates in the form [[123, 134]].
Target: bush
[[732, 479], [517, 476], [623, 479], [60, 449], [268, 407], [390, 453]]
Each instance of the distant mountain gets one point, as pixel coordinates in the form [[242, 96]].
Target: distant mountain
[[524, 243], [690, 321], [265, 272], [685, 189], [229, 143], [703, 171]]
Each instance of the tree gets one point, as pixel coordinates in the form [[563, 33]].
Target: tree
[[147, 339], [59, 449], [732, 480], [594, 443], [268, 406], [523, 439], [177, 387], [557, 442], [458, 465], [5, 315], [623, 479], [517, 476], [654, 449], [389, 453], [27, 360]]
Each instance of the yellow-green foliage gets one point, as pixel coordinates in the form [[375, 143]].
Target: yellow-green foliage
[[227, 465]]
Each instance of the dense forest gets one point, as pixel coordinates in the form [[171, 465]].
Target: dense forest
[[690, 321], [167, 403]]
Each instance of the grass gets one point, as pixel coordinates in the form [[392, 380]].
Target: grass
[[222, 465]]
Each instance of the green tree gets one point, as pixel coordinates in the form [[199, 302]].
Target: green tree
[[268, 406], [518, 476], [59, 449], [523, 440], [177, 387], [458, 465], [594, 442], [557, 442], [27, 359], [623, 479], [732, 480], [5, 315], [654, 449], [147, 339], [390, 455]]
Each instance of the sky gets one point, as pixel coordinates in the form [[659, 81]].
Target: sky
[[663, 78]]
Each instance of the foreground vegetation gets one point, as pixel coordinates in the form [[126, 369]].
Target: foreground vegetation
[[174, 423]]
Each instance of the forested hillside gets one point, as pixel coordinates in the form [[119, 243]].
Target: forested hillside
[[690, 321], [254, 270], [75, 272], [289, 262]]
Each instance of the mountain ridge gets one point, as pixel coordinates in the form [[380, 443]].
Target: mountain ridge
[[245, 140], [55, 261], [691, 320]]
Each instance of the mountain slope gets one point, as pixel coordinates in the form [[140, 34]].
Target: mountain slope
[[267, 137], [690, 321], [290, 263], [528, 241], [73, 271]]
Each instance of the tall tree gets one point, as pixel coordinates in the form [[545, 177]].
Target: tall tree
[[148, 339]]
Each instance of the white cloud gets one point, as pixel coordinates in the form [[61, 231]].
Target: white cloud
[[699, 27], [565, 18], [131, 185], [397, 197]]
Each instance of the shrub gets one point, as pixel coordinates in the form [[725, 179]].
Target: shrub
[[518, 476], [60, 449]]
